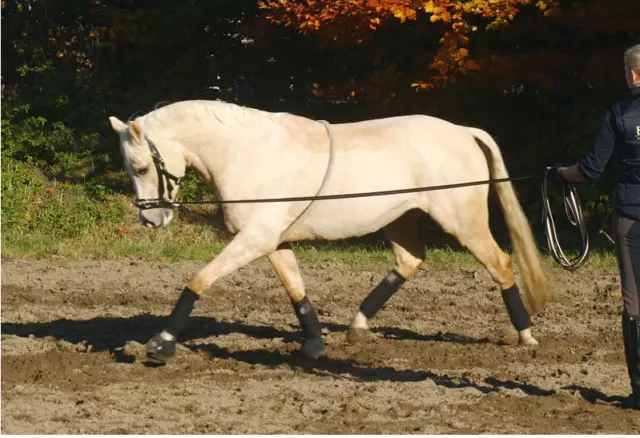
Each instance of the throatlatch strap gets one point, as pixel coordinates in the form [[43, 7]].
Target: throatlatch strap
[[180, 314], [308, 318], [381, 293], [515, 308]]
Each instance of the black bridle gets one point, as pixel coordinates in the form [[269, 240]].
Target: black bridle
[[172, 182]]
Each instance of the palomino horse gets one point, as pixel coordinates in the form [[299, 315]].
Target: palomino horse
[[244, 153]]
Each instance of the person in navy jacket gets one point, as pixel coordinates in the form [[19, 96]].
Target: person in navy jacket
[[620, 132]]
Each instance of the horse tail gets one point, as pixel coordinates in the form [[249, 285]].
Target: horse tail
[[536, 291]]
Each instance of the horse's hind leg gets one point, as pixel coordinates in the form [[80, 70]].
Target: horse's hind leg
[[408, 249], [477, 237], [286, 266]]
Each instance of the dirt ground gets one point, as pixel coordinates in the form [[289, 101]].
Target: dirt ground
[[442, 359]]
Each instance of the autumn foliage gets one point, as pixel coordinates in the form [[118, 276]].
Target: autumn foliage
[[465, 32], [353, 20]]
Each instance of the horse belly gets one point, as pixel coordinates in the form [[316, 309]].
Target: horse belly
[[346, 218]]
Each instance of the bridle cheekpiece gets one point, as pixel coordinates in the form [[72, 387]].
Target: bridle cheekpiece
[[163, 174]]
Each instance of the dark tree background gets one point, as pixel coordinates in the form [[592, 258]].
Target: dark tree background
[[536, 75]]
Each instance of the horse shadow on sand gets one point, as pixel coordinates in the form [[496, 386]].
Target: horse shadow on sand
[[111, 334]]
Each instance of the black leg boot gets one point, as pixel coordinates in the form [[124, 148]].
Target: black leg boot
[[376, 299], [631, 334], [162, 346], [313, 345]]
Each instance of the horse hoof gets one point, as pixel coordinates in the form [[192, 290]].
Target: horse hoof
[[357, 335], [159, 349], [525, 338], [528, 342], [313, 347]]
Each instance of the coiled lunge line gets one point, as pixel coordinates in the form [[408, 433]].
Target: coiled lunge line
[[573, 209]]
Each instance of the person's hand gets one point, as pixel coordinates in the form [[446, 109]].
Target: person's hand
[[570, 174], [556, 174]]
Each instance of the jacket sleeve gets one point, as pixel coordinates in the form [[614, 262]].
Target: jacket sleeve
[[594, 163]]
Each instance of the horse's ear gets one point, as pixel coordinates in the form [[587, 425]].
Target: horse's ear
[[117, 124], [136, 132]]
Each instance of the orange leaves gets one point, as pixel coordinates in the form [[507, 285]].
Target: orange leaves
[[313, 15], [307, 17], [402, 12], [550, 7], [422, 85], [352, 21], [429, 7], [352, 14]]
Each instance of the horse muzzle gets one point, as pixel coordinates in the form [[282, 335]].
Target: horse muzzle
[[156, 217]]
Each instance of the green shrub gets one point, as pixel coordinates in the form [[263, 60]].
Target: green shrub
[[31, 204], [20, 182]]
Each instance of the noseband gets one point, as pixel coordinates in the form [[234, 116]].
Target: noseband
[[172, 182]]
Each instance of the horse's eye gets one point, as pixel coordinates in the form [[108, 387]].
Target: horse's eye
[[143, 171]]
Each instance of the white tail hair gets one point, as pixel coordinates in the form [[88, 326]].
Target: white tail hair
[[536, 292]]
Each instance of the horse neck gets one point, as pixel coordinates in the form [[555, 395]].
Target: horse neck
[[205, 132]]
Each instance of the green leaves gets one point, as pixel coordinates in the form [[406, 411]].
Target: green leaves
[[34, 140]]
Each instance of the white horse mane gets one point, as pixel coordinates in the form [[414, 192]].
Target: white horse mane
[[225, 113]]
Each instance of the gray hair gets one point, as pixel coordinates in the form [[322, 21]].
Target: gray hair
[[632, 63]]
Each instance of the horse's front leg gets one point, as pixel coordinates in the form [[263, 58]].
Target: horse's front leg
[[246, 246]]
